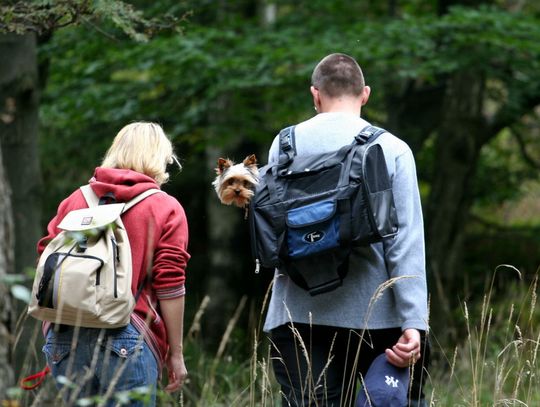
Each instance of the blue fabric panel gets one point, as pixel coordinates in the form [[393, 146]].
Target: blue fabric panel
[[311, 214], [312, 229]]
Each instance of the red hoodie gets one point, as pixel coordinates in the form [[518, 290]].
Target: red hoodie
[[158, 235]]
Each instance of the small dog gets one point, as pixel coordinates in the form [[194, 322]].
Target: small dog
[[235, 183]]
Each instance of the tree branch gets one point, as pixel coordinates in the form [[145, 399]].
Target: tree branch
[[22, 17], [507, 116], [98, 29], [523, 149]]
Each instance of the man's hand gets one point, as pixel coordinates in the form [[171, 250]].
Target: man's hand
[[407, 349], [177, 372]]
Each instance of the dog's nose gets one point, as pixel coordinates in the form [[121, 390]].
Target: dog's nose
[[237, 191]]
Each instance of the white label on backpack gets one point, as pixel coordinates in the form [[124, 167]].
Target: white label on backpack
[[314, 237]]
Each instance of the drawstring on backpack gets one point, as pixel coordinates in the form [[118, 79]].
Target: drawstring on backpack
[[33, 381]]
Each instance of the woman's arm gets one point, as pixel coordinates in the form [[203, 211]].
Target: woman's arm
[[172, 311]]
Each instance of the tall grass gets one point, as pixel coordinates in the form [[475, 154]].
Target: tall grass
[[494, 363]]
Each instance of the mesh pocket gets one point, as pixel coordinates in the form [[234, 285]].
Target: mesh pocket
[[312, 229], [380, 200], [311, 182], [375, 172]]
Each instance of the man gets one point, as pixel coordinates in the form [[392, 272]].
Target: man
[[321, 343]]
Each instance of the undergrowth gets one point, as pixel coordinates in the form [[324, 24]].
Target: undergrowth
[[494, 363]]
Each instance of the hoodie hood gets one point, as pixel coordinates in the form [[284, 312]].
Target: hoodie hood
[[124, 184]]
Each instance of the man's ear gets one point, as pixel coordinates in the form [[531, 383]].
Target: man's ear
[[365, 95], [316, 97]]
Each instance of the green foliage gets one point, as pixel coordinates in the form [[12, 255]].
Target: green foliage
[[212, 85], [45, 16], [503, 166], [17, 289], [231, 80]]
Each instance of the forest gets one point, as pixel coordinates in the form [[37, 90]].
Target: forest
[[457, 80]]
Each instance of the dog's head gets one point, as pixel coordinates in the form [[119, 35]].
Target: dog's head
[[235, 183]]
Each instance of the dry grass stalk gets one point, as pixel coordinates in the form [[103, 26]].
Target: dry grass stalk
[[196, 324], [533, 300], [230, 326], [453, 365]]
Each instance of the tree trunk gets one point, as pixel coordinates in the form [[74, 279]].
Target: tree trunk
[[19, 89], [6, 266], [223, 228], [415, 110], [462, 134], [227, 231]]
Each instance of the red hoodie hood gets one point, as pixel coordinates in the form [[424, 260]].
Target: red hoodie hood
[[124, 184]]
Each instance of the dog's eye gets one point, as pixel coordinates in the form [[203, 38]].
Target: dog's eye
[[247, 184], [230, 181]]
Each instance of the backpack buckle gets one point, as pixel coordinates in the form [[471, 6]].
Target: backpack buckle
[[82, 244], [285, 142], [365, 134]]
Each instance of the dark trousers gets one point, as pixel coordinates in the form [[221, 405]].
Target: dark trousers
[[319, 365]]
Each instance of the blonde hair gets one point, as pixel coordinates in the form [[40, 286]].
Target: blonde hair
[[142, 147]]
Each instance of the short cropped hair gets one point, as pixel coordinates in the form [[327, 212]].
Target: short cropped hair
[[141, 147], [338, 75]]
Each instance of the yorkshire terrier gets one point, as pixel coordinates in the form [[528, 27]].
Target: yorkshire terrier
[[235, 183]]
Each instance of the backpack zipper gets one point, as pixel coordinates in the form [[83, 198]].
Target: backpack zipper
[[252, 238], [116, 256]]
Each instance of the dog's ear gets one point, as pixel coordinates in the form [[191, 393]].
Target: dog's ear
[[250, 160], [222, 165]]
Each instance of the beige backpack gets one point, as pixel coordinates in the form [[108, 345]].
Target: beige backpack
[[84, 275]]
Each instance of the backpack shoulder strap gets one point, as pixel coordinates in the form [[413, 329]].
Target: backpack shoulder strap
[[134, 201], [89, 195], [93, 200], [287, 146], [368, 134]]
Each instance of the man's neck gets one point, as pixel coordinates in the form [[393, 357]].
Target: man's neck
[[345, 105]]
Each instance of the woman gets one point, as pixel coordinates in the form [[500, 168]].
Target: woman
[[102, 362]]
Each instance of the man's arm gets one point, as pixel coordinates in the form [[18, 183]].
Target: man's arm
[[405, 260]]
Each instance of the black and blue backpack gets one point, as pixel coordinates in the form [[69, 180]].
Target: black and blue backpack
[[308, 212]]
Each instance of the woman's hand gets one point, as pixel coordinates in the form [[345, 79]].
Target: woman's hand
[[177, 372]]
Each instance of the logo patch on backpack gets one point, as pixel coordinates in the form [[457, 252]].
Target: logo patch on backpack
[[86, 220], [314, 237]]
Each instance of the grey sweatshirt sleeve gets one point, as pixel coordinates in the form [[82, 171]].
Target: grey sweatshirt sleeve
[[273, 153], [405, 254]]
